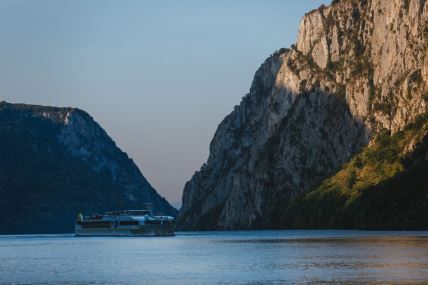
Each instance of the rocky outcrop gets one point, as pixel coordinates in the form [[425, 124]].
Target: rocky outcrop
[[57, 162], [358, 67]]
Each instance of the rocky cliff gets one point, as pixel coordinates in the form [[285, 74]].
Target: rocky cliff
[[358, 68], [56, 162]]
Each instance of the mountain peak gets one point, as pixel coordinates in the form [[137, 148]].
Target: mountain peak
[[58, 162], [358, 68]]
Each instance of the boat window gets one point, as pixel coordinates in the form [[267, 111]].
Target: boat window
[[138, 213], [128, 223], [153, 222], [96, 224]]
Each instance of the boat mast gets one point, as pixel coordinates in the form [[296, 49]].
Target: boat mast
[[149, 207]]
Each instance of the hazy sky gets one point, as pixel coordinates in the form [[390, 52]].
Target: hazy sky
[[159, 76]]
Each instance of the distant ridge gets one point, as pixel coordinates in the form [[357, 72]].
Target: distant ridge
[[56, 162]]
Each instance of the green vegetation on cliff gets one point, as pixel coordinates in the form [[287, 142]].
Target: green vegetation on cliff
[[385, 186]]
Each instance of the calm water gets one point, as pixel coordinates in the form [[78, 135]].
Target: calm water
[[267, 257]]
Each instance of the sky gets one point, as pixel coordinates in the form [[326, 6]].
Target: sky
[[157, 75]]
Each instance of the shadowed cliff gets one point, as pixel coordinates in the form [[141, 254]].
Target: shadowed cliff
[[57, 162]]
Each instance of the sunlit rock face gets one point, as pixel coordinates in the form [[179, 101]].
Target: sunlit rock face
[[57, 162], [358, 67]]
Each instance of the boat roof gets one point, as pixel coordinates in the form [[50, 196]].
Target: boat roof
[[128, 213]]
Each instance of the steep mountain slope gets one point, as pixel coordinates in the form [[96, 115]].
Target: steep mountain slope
[[358, 68], [384, 186], [56, 162]]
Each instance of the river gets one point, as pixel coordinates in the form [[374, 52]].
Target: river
[[247, 257]]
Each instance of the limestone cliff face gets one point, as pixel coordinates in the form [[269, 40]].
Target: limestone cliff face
[[358, 67], [57, 162]]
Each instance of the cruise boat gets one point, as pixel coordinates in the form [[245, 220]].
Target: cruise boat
[[125, 223]]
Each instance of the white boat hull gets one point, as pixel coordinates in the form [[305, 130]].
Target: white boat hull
[[144, 230]]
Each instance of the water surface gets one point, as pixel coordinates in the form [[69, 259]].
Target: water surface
[[250, 257]]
